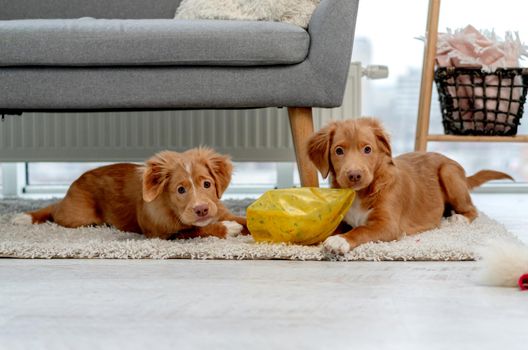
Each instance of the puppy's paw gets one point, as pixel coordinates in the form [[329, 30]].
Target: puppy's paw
[[233, 228], [458, 219], [336, 245], [22, 219]]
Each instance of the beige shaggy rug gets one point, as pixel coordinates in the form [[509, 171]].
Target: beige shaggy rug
[[453, 241]]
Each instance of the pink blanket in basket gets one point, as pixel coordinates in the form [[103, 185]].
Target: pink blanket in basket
[[471, 49]]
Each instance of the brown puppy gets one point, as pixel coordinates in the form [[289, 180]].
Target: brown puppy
[[175, 195], [395, 196]]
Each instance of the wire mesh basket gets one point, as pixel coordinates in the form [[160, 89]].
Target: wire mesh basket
[[475, 102]]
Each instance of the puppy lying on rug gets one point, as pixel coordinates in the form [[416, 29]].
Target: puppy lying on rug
[[395, 196], [175, 195]]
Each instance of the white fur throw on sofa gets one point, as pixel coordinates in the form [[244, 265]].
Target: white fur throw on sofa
[[297, 12]]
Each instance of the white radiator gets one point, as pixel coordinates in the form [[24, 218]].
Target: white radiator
[[248, 135]]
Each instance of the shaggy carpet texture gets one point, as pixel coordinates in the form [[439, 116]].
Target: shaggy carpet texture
[[454, 241], [296, 12]]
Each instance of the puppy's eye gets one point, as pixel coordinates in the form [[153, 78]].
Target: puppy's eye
[[339, 151], [367, 149], [207, 184], [181, 190]]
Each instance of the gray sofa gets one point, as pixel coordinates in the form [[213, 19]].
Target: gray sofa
[[84, 55]]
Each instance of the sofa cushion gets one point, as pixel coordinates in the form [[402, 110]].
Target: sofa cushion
[[100, 42]]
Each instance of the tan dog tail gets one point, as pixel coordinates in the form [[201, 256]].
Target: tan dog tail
[[42, 215], [485, 176]]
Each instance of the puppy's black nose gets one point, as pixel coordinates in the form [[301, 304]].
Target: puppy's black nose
[[354, 176], [201, 210]]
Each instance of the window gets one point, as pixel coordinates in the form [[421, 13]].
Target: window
[[245, 174], [385, 34], [384, 37], [57, 173]]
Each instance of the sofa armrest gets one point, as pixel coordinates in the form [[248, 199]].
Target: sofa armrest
[[331, 30]]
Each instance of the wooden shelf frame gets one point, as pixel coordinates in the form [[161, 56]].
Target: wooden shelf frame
[[426, 92], [457, 138]]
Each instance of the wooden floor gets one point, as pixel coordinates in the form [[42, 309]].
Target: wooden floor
[[90, 304]]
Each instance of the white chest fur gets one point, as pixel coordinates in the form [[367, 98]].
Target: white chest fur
[[356, 215]]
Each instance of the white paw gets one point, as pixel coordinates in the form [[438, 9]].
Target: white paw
[[336, 245], [22, 219], [458, 219], [233, 228]]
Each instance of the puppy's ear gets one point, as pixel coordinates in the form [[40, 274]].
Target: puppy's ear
[[221, 168], [156, 176], [382, 136], [319, 148]]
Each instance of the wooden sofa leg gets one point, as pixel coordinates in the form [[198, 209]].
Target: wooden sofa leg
[[301, 122]]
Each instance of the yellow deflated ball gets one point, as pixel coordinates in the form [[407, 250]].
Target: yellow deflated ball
[[298, 215]]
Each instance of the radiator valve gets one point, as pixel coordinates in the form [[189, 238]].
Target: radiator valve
[[375, 72]]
